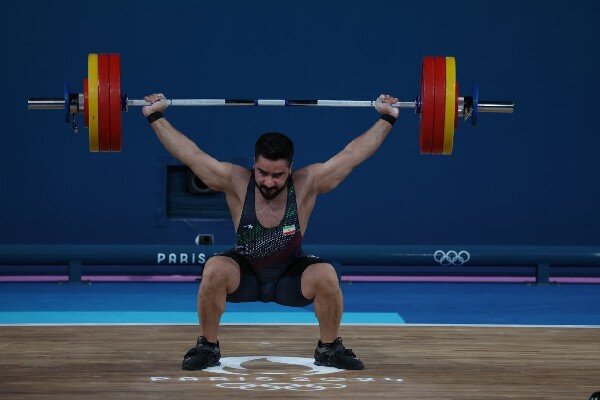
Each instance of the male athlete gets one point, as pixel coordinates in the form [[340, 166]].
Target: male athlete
[[270, 206]]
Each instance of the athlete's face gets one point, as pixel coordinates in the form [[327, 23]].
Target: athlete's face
[[271, 176]]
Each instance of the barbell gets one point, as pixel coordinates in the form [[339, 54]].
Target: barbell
[[439, 105]]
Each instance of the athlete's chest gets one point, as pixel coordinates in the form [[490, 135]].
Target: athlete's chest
[[270, 214]]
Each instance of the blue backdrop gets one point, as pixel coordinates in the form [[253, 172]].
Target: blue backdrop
[[529, 178]]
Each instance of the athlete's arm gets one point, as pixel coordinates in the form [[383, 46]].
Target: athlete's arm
[[327, 176], [215, 174]]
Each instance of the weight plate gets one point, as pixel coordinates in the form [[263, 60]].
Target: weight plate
[[103, 103], [93, 101], [440, 105], [450, 114], [427, 105], [116, 127]]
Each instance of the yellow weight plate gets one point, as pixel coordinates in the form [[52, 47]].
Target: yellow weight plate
[[450, 105], [93, 101]]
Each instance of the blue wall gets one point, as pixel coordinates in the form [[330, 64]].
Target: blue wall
[[529, 178]]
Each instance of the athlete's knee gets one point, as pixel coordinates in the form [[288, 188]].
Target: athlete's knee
[[220, 273], [320, 279]]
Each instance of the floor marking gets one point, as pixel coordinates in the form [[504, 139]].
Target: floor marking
[[184, 318], [398, 325]]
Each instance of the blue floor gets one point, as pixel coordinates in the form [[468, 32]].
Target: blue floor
[[376, 303]]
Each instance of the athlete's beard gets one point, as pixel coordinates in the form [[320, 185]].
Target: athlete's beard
[[269, 193]]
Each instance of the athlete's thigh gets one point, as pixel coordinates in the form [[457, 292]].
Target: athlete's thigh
[[289, 291], [222, 270], [247, 288]]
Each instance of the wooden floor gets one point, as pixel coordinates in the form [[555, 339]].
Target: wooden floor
[[144, 362]]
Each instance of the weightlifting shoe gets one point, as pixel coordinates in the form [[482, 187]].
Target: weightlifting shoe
[[336, 355], [204, 355]]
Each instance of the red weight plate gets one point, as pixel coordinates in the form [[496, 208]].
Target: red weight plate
[[440, 105], [86, 105], [103, 103], [116, 127], [427, 105], [456, 112]]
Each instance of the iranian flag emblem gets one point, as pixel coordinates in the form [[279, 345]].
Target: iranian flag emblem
[[289, 230]]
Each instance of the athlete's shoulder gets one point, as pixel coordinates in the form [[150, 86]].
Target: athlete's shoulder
[[304, 183], [305, 178], [239, 173], [240, 177], [301, 177]]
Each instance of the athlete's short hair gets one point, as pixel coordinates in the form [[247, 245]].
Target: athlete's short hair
[[274, 146]]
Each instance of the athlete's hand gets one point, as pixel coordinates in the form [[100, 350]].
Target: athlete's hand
[[158, 103], [383, 105]]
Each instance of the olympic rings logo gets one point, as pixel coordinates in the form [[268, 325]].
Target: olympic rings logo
[[451, 257], [272, 386]]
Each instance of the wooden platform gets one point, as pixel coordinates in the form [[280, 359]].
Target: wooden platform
[[144, 362]]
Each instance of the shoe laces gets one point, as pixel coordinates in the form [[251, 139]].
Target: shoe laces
[[336, 347], [202, 348]]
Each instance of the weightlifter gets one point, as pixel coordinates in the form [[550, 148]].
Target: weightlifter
[[270, 206]]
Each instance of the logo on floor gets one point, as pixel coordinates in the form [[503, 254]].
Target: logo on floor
[[274, 373]]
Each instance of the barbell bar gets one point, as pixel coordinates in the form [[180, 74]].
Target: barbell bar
[[439, 104]]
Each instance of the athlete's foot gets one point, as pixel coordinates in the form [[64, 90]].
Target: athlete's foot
[[204, 355], [336, 355]]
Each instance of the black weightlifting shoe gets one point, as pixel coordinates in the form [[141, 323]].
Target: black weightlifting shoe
[[337, 356], [204, 355]]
